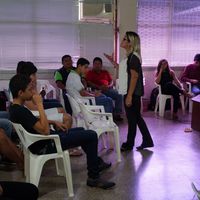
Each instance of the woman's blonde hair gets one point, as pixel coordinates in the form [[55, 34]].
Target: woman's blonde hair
[[134, 39]]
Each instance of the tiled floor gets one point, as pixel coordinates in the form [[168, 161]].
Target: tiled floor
[[164, 172]]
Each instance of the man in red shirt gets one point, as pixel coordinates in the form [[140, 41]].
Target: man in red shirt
[[100, 79], [192, 74]]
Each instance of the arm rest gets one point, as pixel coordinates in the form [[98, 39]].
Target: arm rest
[[91, 115], [95, 108], [189, 86], [55, 138], [28, 139], [87, 100]]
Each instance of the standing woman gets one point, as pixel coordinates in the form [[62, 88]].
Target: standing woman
[[134, 91]]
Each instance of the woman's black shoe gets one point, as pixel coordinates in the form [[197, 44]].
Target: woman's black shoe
[[143, 146], [126, 147]]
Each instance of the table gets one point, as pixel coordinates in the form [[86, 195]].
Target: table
[[195, 123]]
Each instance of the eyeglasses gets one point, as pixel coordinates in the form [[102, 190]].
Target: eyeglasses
[[126, 39]]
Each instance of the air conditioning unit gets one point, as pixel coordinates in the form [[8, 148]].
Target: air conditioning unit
[[96, 1], [96, 12]]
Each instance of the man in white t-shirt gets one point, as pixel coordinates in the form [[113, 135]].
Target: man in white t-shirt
[[76, 89]]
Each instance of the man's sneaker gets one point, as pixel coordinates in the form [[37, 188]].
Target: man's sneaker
[[100, 183]]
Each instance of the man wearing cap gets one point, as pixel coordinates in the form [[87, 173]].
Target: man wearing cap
[[192, 74]]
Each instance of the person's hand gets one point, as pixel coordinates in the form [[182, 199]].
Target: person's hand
[[1, 190], [37, 99], [109, 57], [162, 68], [128, 101], [60, 126], [104, 88], [187, 94], [194, 81], [97, 93]]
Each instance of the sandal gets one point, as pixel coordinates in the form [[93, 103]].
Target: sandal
[[188, 130]]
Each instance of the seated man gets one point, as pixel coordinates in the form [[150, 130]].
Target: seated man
[[62, 73], [21, 89], [192, 74], [56, 112], [100, 79], [76, 88], [29, 69], [61, 78]]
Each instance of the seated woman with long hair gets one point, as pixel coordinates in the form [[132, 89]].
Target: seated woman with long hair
[[170, 84]]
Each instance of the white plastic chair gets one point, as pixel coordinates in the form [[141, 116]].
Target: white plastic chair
[[76, 112], [161, 102], [49, 89], [78, 120], [189, 100], [196, 191], [78, 115], [34, 163], [101, 122]]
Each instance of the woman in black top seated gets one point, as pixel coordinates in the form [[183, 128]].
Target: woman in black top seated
[[166, 78]]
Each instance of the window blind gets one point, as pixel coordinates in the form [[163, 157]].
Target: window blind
[[169, 29], [42, 31]]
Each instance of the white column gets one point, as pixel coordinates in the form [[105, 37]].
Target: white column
[[127, 19]]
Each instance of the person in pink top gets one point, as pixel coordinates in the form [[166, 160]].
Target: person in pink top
[[192, 74], [100, 79]]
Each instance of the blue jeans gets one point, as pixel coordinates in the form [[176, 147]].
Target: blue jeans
[[117, 98], [4, 114], [88, 141], [6, 125], [74, 137], [106, 102], [196, 89]]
